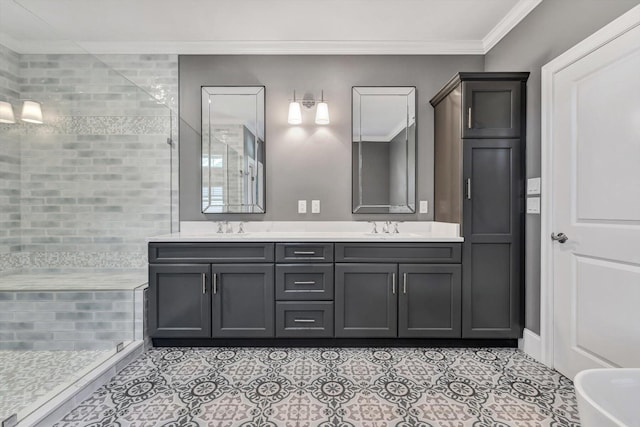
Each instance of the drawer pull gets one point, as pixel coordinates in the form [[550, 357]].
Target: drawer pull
[[304, 321], [304, 253], [215, 283], [204, 283], [310, 282], [393, 285], [404, 281]]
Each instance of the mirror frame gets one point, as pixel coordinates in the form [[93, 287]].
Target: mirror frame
[[260, 93], [357, 207]]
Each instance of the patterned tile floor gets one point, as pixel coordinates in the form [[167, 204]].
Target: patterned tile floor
[[26, 377], [369, 387]]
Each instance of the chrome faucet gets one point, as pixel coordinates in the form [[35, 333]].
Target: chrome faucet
[[241, 227], [375, 227], [229, 227], [219, 228], [395, 227], [385, 227]]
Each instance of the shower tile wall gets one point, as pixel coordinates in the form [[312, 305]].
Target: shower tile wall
[[66, 320], [9, 165], [96, 177]]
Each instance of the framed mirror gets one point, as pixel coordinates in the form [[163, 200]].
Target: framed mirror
[[384, 149], [233, 152]]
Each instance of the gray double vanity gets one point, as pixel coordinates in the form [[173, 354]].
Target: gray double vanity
[[458, 277]]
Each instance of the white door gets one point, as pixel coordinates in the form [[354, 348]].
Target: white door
[[595, 148]]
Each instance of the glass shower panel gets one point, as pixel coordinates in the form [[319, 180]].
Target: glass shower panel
[[80, 193]]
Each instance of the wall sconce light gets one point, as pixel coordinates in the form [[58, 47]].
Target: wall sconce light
[[31, 112], [322, 112], [295, 113], [6, 113], [322, 109]]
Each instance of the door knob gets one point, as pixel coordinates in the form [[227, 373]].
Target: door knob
[[560, 237]]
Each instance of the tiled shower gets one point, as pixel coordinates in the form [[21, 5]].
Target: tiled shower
[[79, 194]]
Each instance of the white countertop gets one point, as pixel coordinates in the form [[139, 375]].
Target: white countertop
[[314, 231]]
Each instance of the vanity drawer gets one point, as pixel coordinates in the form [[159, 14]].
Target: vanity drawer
[[304, 319], [399, 252], [304, 252], [304, 281], [210, 252]]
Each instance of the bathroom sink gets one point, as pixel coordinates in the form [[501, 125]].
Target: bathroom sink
[[609, 397]]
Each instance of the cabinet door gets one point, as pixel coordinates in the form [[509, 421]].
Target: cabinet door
[[365, 300], [492, 229], [491, 109], [429, 301], [243, 300], [179, 301]]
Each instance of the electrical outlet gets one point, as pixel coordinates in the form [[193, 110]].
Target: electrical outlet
[[424, 206], [315, 206], [302, 206]]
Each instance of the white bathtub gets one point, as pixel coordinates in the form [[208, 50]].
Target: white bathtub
[[609, 397]]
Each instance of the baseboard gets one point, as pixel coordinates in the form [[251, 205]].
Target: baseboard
[[531, 344], [60, 405], [333, 342]]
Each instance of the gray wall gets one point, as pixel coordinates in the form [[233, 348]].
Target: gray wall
[[552, 28], [309, 161]]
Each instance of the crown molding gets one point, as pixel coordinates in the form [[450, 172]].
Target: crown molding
[[506, 24], [254, 47]]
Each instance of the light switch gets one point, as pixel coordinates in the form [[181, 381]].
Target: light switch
[[533, 205], [315, 206], [533, 186], [302, 206], [424, 206]]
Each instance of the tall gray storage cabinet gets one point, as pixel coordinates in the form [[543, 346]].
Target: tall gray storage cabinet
[[479, 183]]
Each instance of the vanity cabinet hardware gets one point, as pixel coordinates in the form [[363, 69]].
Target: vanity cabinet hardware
[[204, 283], [469, 118], [393, 283], [301, 252], [308, 319], [404, 283], [304, 281], [215, 283], [468, 189]]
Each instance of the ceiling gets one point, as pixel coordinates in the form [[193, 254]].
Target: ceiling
[[259, 26]]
